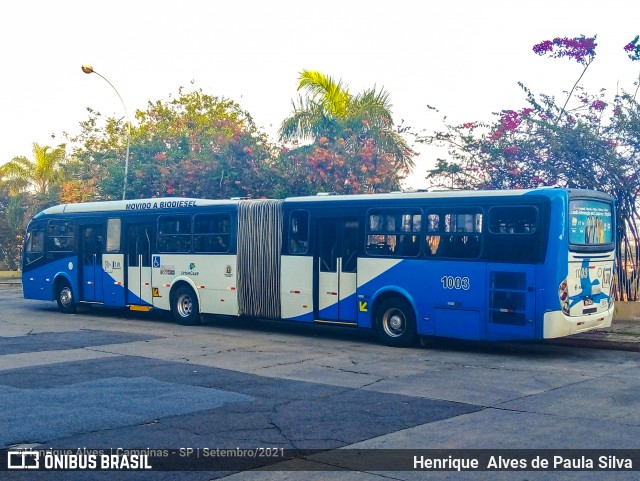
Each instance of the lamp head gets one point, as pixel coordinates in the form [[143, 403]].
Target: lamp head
[[87, 69]]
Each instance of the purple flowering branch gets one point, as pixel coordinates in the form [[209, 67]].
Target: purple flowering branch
[[633, 51], [581, 49], [633, 48]]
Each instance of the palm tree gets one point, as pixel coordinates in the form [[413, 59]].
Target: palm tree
[[330, 110], [39, 175]]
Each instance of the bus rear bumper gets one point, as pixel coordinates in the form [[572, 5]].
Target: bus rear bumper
[[556, 324]]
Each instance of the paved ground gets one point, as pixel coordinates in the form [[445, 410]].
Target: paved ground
[[111, 379], [623, 335]]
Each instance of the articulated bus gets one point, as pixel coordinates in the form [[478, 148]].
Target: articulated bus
[[478, 265]]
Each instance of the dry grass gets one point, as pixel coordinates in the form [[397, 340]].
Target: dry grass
[[10, 274]]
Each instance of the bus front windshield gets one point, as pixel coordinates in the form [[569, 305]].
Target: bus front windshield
[[590, 222]]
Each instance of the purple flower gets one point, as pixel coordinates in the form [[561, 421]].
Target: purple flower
[[598, 105], [582, 49], [510, 120], [633, 48], [511, 150], [543, 47]]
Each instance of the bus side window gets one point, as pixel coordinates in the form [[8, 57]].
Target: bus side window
[[394, 232], [519, 219], [211, 233], [99, 247], [61, 236], [88, 246], [433, 237], [174, 233], [113, 235], [409, 246], [328, 247], [514, 234], [351, 242], [34, 244], [299, 232], [454, 234]]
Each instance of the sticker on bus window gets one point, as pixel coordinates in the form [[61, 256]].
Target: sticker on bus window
[[590, 222]]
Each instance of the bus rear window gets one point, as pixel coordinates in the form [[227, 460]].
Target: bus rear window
[[590, 222]]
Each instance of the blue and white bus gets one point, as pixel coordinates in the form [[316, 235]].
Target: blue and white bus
[[480, 265]]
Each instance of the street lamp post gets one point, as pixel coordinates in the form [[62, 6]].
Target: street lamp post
[[88, 69]]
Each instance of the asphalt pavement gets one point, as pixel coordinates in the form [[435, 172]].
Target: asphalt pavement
[[623, 335]]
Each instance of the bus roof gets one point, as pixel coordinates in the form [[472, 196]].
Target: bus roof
[[435, 194], [164, 203], [169, 203]]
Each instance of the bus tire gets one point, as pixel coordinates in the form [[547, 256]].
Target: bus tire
[[184, 306], [396, 322], [64, 297]]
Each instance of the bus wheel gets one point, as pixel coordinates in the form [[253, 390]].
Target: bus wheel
[[396, 322], [184, 306], [64, 296]]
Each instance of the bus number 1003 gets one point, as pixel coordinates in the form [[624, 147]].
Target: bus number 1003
[[450, 282]]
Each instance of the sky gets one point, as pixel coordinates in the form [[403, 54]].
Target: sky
[[463, 57]]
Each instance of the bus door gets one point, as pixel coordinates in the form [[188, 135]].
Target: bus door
[[512, 300], [336, 277], [91, 281], [139, 237]]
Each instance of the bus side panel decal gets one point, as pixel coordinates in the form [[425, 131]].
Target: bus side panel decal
[[113, 275], [370, 271], [371, 268], [450, 285], [589, 286]]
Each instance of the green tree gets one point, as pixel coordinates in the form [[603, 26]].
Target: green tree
[[39, 175], [354, 144], [33, 184], [593, 144], [11, 229], [192, 145], [95, 169], [26, 186]]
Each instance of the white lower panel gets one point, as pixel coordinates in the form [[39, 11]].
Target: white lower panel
[[296, 287], [556, 324]]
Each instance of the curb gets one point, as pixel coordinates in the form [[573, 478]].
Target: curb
[[596, 344]]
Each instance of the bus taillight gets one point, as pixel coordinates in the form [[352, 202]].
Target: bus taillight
[[563, 294]]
